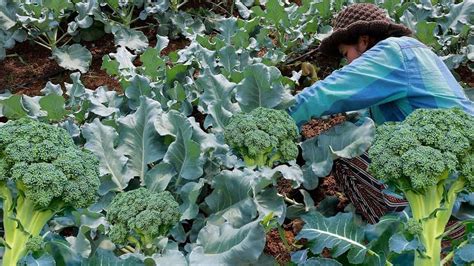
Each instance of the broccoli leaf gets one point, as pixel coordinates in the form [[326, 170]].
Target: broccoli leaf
[[225, 244], [338, 233], [261, 87], [74, 57], [138, 138], [100, 140]]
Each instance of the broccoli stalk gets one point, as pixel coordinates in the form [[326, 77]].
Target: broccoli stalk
[[263, 137], [41, 173], [428, 208], [429, 158], [30, 220]]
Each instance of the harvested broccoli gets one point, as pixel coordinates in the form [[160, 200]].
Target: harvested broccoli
[[139, 216], [263, 136], [41, 173], [429, 157]]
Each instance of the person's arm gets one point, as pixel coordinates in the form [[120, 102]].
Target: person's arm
[[378, 76]]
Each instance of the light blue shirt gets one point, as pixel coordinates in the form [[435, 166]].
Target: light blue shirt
[[393, 78]]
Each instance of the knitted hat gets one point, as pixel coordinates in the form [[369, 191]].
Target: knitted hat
[[357, 20]]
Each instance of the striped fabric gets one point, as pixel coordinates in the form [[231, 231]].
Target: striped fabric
[[368, 197], [393, 78], [363, 190]]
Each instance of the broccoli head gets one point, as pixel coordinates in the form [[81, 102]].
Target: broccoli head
[[42, 172], [429, 157], [263, 136], [139, 216], [34, 243]]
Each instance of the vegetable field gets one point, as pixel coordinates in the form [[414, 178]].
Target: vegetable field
[[155, 133]]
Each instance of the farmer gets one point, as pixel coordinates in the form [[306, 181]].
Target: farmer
[[390, 74]]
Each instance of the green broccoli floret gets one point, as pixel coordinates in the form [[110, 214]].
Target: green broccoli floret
[[263, 136], [139, 216], [413, 227], [34, 243], [429, 158], [41, 173]]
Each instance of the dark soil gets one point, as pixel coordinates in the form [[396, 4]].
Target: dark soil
[[29, 72], [284, 186], [466, 75], [275, 246], [329, 187], [316, 126]]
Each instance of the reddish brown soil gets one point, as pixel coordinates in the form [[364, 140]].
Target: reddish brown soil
[[466, 75], [284, 186], [221, 7], [29, 72], [327, 188], [275, 246], [316, 126], [175, 45], [31, 75]]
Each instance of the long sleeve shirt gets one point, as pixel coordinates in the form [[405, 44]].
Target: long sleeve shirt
[[393, 78]]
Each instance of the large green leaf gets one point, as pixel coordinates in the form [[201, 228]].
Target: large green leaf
[[232, 196], [44, 260], [76, 90], [12, 107], [226, 245], [275, 12], [347, 140], [153, 65], [112, 163], [398, 244], [108, 258], [158, 178], [459, 15], [104, 102], [464, 255], [227, 28], [85, 12], [239, 196], [205, 58], [425, 32], [54, 105], [124, 59], [189, 194], [33, 107], [170, 257], [130, 38], [261, 87], [74, 57], [183, 153], [138, 138], [338, 233], [318, 159], [216, 98], [139, 86], [7, 17]]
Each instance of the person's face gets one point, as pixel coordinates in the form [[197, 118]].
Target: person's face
[[352, 51]]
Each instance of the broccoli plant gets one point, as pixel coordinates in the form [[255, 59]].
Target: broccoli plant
[[138, 217], [41, 173], [263, 136], [429, 157]]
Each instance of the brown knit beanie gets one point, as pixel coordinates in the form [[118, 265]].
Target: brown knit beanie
[[357, 20]]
